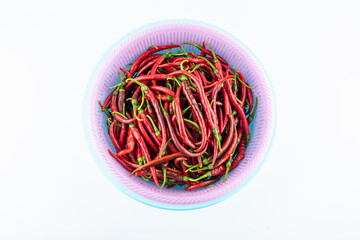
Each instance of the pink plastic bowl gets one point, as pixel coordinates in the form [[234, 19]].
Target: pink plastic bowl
[[126, 51]]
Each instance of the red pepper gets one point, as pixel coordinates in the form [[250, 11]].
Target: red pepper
[[108, 99], [135, 132], [136, 63], [130, 143], [202, 184], [112, 136]]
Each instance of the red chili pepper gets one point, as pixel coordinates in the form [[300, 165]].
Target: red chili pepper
[[135, 132], [126, 72], [242, 89], [206, 105], [130, 143], [221, 120], [240, 155], [136, 63], [148, 59], [150, 111], [227, 108], [146, 67], [240, 111], [112, 136], [178, 160], [108, 99], [159, 60], [192, 60], [157, 109], [121, 162], [163, 89], [251, 99], [159, 161], [177, 144], [180, 120], [122, 136], [216, 62], [207, 52], [202, 184], [228, 153], [121, 98], [146, 136]]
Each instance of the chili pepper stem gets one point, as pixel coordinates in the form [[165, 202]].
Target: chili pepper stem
[[164, 180], [208, 167], [247, 137], [191, 168], [217, 137], [227, 165], [208, 174]]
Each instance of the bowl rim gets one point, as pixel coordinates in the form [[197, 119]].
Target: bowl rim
[[129, 192]]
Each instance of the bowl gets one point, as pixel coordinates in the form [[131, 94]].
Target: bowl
[[125, 51]]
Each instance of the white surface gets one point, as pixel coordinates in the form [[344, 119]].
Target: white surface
[[308, 187]]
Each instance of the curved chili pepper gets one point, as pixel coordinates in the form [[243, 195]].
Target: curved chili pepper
[[113, 103], [146, 136], [150, 111], [240, 111], [122, 158], [228, 153], [179, 159], [107, 100], [177, 144], [130, 144], [126, 72], [251, 99], [206, 105], [112, 136], [221, 120], [196, 110], [240, 155], [120, 117], [202, 184], [206, 51], [135, 132], [127, 167], [121, 98], [148, 59], [157, 109], [163, 89], [146, 66], [252, 115], [122, 136], [217, 64], [136, 63], [159, 60], [157, 161], [180, 119], [227, 109], [192, 60], [149, 127], [227, 143]]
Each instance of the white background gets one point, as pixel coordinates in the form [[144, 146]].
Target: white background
[[308, 187]]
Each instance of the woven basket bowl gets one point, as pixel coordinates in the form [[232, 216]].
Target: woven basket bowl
[[125, 51]]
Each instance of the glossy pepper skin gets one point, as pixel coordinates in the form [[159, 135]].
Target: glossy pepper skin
[[180, 117]]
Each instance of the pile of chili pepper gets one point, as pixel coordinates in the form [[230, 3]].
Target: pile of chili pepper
[[180, 117]]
